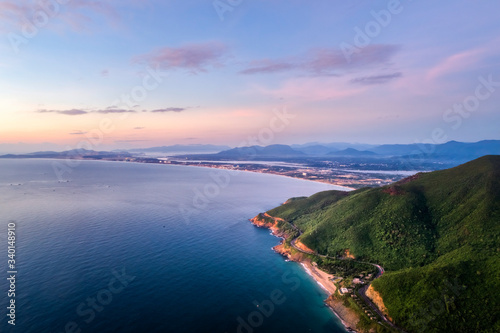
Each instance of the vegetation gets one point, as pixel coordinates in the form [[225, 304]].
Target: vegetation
[[437, 235], [345, 268]]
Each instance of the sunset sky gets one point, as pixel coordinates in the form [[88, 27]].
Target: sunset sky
[[138, 73]]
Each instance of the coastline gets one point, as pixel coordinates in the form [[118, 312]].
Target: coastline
[[322, 278], [339, 187], [346, 316]]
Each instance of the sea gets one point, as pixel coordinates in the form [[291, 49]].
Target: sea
[[126, 247]]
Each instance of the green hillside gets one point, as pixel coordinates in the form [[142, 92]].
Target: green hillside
[[437, 235]]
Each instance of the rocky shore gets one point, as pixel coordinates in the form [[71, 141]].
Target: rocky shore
[[347, 316]]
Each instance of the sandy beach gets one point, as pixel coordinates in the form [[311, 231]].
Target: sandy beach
[[321, 277], [347, 316]]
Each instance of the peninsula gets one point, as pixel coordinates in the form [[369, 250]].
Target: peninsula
[[435, 234]]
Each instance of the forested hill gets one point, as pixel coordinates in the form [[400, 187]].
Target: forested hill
[[437, 234]]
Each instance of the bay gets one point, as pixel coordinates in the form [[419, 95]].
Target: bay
[[126, 247]]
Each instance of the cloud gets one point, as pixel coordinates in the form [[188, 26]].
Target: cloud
[[312, 89], [72, 112], [105, 72], [376, 79], [128, 141], [192, 57], [323, 61], [456, 63], [78, 132], [326, 61], [78, 15], [12, 14], [268, 66], [169, 110], [138, 128], [108, 110]]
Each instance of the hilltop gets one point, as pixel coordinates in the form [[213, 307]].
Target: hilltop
[[175, 149], [352, 152], [437, 234], [276, 151]]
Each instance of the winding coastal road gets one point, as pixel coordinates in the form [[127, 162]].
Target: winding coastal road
[[362, 291]]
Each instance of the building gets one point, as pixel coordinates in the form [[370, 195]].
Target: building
[[343, 291]]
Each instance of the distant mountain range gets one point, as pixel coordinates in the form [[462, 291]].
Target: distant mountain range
[[284, 151], [315, 150], [333, 146], [278, 151], [74, 153], [451, 151], [352, 152], [185, 149]]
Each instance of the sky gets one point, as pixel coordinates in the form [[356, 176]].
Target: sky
[[135, 73]]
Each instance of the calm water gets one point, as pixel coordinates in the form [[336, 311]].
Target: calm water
[[127, 247]]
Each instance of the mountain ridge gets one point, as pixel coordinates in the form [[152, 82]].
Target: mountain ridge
[[428, 231], [352, 152]]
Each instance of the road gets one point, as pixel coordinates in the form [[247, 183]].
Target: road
[[362, 291]]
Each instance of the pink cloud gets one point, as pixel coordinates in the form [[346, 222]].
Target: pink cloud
[[313, 89], [11, 14], [11, 7], [193, 57], [77, 14], [326, 61], [428, 81], [456, 63]]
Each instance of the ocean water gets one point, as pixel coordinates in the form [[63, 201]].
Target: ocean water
[[125, 247]]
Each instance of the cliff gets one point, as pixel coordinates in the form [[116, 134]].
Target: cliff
[[375, 297]]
